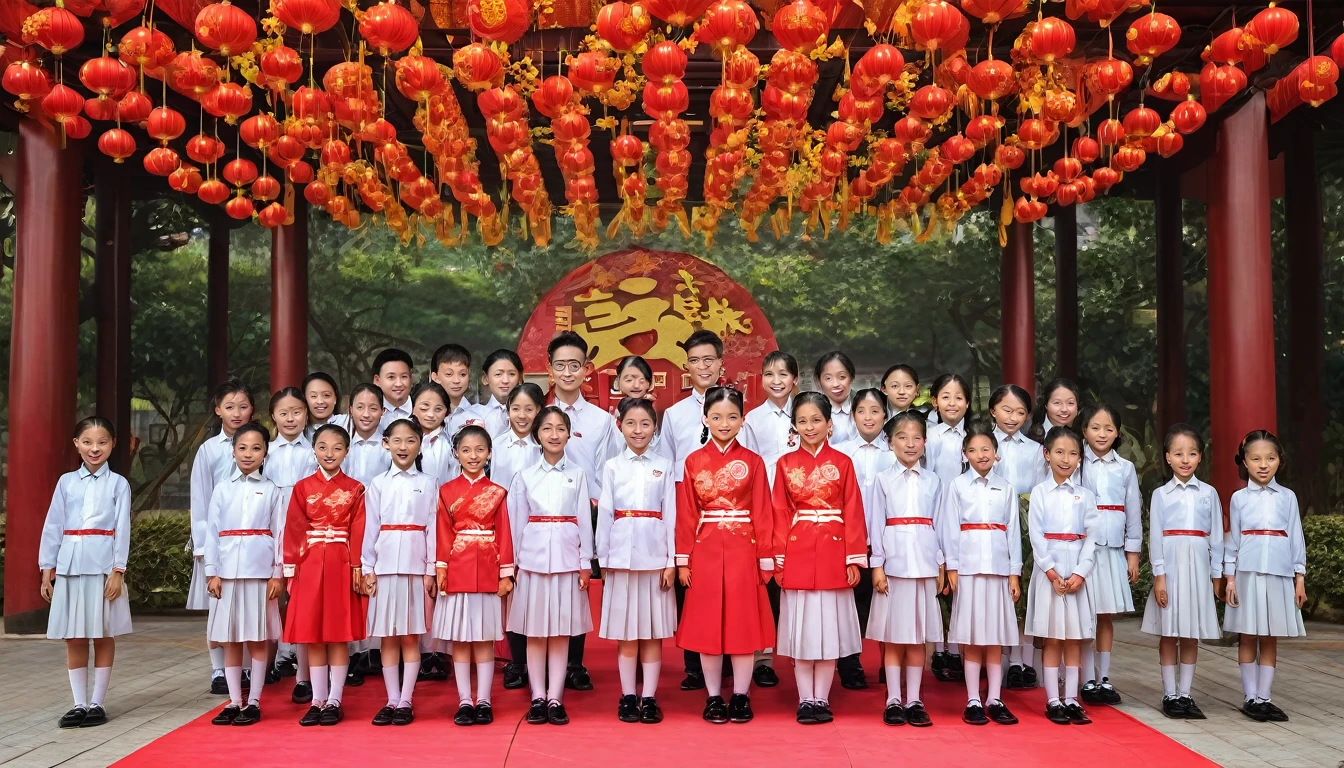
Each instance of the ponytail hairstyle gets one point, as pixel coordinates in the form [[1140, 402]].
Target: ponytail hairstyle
[[940, 383], [95, 422], [1177, 430], [895, 423], [815, 399], [229, 386], [1086, 415], [1255, 436], [471, 430], [976, 429], [541, 416], [530, 391], [1037, 431], [1063, 433], [325, 378], [1010, 390], [260, 429], [719, 394], [636, 404], [412, 424]]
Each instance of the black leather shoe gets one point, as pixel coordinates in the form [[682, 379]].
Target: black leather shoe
[[1272, 712], [1173, 708], [807, 714], [332, 714], [556, 714], [74, 718], [998, 712], [466, 714], [354, 677], [916, 715], [628, 709], [715, 710], [764, 676], [1192, 710], [577, 679], [739, 708], [1013, 680], [94, 717], [1254, 710], [303, 693], [649, 711], [403, 716], [536, 714], [1029, 678], [1056, 713], [894, 714], [250, 715], [823, 709], [515, 676], [955, 671], [312, 717], [247, 679], [272, 676], [853, 680], [219, 686], [226, 715], [694, 681], [974, 714], [938, 665], [287, 667], [1107, 693], [433, 668], [1077, 715], [1090, 693], [384, 716], [485, 714]]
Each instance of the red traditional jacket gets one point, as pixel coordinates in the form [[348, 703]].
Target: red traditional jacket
[[726, 489], [819, 522], [324, 513], [473, 543]]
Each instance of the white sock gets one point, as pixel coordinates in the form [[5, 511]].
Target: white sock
[[972, 681], [954, 649], [103, 675], [652, 669], [893, 684], [1015, 655], [1025, 652], [410, 671], [712, 665], [1051, 681], [1071, 685], [1187, 679], [216, 660], [995, 675], [337, 675], [1089, 662], [823, 674], [743, 664], [557, 664], [913, 677], [1168, 680], [1103, 665], [937, 647], [536, 666], [485, 677], [321, 684], [627, 666], [1248, 680], [1263, 684], [79, 686], [803, 674], [234, 677], [301, 666], [462, 676], [392, 681], [258, 680]]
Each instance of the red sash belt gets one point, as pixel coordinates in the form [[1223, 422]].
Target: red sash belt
[[1264, 532], [1184, 532], [1111, 507], [401, 528], [622, 513], [983, 527], [553, 519], [1065, 536], [247, 532], [909, 521], [89, 532]]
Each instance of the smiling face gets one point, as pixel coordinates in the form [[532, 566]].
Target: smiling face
[[835, 382], [1100, 433], [1262, 461], [321, 400], [778, 382], [522, 411], [501, 379], [632, 383], [553, 436], [330, 450], [869, 416], [638, 428], [908, 444], [1063, 456], [569, 367], [980, 454], [1183, 457], [473, 451], [454, 378], [404, 445], [1062, 407], [811, 426], [901, 390], [430, 410], [724, 420], [366, 410], [1010, 414], [395, 380], [951, 403], [290, 415], [94, 446], [234, 411], [249, 451], [704, 365]]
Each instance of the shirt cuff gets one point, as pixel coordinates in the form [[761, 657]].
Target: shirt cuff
[[429, 569], [211, 571], [859, 560], [1134, 545], [1158, 569], [440, 564], [277, 572], [1300, 570], [1045, 564], [288, 571], [682, 560], [1230, 569], [768, 564], [506, 571], [198, 552], [1014, 571], [875, 562], [779, 561], [119, 569]]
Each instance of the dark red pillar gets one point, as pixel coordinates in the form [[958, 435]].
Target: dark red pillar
[[44, 343], [217, 304], [1170, 301], [112, 286], [1240, 285], [1306, 313], [1066, 292], [289, 300], [1017, 297]]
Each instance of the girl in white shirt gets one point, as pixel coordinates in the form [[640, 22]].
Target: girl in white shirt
[[900, 385], [834, 374], [1185, 548], [982, 544], [511, 452], [634, 380], [1265, 562], [549, 516], [289, 459], [1119, 540], [85, 542], [907, 561], [323, 399], [500, 373], [243, 573], [1058, 407], [1062, 525], [429, 404], [943, 454], [368, 457], [767, 429], [636, 543]]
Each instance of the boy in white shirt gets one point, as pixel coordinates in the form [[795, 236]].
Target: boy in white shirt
[[392, 370]]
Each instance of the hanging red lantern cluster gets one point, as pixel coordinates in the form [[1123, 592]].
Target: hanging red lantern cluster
[[1152, 35], [665, 99], [731, 105], [727, 25], [389, 28], [225, 28], [55, 29], [623, 25], [678, 13], [503, 20]]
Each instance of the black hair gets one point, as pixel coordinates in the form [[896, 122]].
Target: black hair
[[259, 428], [293, 392], [325, 378], [95, 422], [471, 430], [429, 386], [832, 357], [369, 387], [530, 391], [816, 399], [903, 368], [230, 386], [338, 429], [778, 356], [638, 363], [1038, 417], [1063, 433], [392, 355], [502, 354], [869, 393], [566, 339], [636, 404], [940, 383], [1005, 391], [1086, 415], [1255, 436], [1177, 430], [718, 394], [702, 337], [895, 423], [450, 353], [412, 424], [541, 416], [978, 429]]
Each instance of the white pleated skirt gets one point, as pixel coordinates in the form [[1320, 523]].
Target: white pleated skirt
[[818, 624], [1058, 617], [79, 610], [983, 612], [1266, 606], [469, 617], [1190, 610], [1108, 586], [636, 607], [197, 598], [397, 606], [242, 614], [908, 614], [549, 605]]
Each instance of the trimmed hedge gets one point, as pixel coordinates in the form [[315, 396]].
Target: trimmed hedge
[[158, 571], [1325, 561]]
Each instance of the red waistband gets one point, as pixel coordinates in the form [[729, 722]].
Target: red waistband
[[621, 513], [909, 521], [1065, 536], [247, 532], [89, 532], [1265, 532], [1112, 507], [553, 519], [401, 527], [983, 527], [1184, 532]]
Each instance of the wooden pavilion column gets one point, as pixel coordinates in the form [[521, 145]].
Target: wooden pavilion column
[[1017, 301], [1240, 285], [44, 345], [1066, 292], [112, 286], [289, 300], [1170, 302], [217, 304], [1306, 313]]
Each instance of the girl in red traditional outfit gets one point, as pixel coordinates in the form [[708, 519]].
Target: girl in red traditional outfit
[[725, 555], [475, 569], [324, 532], [821, 541]]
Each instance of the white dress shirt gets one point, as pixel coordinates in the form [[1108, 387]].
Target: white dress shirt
[[393, 412], [1020, 460], [494, 416], [1119, 506], [510, 454], [906, 550], [591, 432], [341, 420], [1192, 506], [943, 452], [1278, 548], [767, 431], [87, 501], [683, 424], [401, 498], [843, 427], [551, 490], [870, 459], [288, 462], [437, 458], [213, 463], [1068, 509], [367, 458], [641, 484], [974, 500], [466, 413], [248, 509]]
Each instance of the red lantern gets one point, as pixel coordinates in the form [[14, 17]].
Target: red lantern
[[593, 71], [134, 107], [418, 78], [100, 108], [335, 154], [389, 28], [55, 29], [1128, 159], [300, 173], [62, 103], [1152, 35], [664, 102], [205, 149], [1173, 85], [213, 191], [1218, 84], [240, 171], [1111, 132], [258, 131], [1274, 27], [307, 16], [988, 175], [992, 79], [281, 67], [665, 63], [572, 126], [1316, 80], [272, 216], [107, 77], [678, 13], [265, 188], [503, 20], [627, 149], [1026, 211], [1141, 122], [1113, 76], [229, 101], [1009, 157], [731, 105], [1227, 48], [225, 28], [317, 193], [1035, 134], [146, 48], [1337, 50], [623, 25], [931, 102], [193, 75], [1169, 143], [1086, 149], [77, 128], [554, 94], [911, 130], [311, 104], [880, 65], [994, 11], [957, 149], [116, 144], [1104, 178], [727, 25], [477, 67], [162, 161], [286, 151], [1188, 116], [165, 124], [741, 68], [984, 130], [26, 80], [239, 207], [1068, 168], [801, 26], [186, 179], [857, 110], [1052, 38], [937, 26]]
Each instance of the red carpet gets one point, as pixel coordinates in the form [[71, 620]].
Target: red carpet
[[595, 737]]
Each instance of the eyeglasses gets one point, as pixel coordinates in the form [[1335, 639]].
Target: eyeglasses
[[701, 361], [560, 366]]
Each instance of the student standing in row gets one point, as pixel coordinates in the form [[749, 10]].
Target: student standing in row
[[500, 373], [511, 452], [834, 375], [393, 372], [289, 459], [324, 402], [944, 454], [450, 368]]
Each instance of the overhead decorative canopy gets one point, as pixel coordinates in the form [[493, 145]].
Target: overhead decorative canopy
[[436, 118]]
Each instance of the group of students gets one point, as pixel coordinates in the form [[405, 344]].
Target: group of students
[[430, 525]]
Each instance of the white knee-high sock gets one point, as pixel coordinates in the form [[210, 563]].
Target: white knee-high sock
[[1103, 665], [652, 669], [259, 667], [536, 666], [1051, 681], [217, 660], [1249, 680], [392, 681], [938, 648], [893, 683], [301, 665], [103, 675], [234, 677], [557, 660], [712, 665], [743, 664], [321, 683], [79, 686], [485, 677], [1264, 681], [410, 672], [823, 674], [337, 676], [1089, 662], [1168, 680], [1187, 679], [994, 674], [1071, 685], [1014, 655], [954, 649], [802, 674], [462, 676], [913, 677], [972, 681], [627, 666]]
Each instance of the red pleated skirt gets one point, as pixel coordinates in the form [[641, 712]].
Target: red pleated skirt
[[726, 609], [322, 606]]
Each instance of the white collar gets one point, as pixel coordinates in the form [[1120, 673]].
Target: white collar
[[630, 454], [917, 469], [1066, 485], [785, 411], [84, 471], [1273, 485], [1176, 485], [558, 466], [299, 440], [410, 471], [495, 404], [390, 408], [1004, 437], [237, 474], [327, 476], [578, 405], [433, 434], [1109, 458], [725, 449], [472, 480], [512, 438], [843, 409]]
